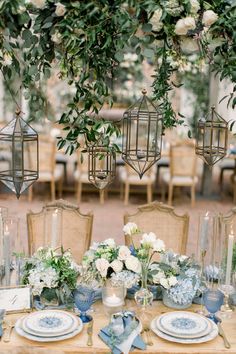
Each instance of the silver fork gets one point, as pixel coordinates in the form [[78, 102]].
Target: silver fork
[[8, 329]]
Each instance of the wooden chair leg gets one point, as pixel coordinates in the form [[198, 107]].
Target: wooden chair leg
[[193, 195], [30, 193], [126, 202], [121, 190], [170, 194], [53, 192], [101, 194], [79, 192], [60, 187], [149, 193], [234, 186]]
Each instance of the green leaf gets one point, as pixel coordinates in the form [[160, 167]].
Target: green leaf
[[147, 27], [119, 56], [149, 53]]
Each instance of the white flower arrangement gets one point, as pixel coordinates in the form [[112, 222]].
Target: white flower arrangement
[[60, 9], [39, 4]]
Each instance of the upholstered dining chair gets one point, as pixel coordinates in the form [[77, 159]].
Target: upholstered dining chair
[[182, 172], [60, 224], [164, 222], [129, 177], [48, 170], [81, 177], [227, 225]]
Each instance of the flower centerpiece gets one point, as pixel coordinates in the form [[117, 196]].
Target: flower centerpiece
[[52, 274], [179, 276]]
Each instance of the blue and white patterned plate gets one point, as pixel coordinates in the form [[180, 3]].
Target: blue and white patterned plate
[[184, 324], [174, 339], [21, 332], [49, 323]]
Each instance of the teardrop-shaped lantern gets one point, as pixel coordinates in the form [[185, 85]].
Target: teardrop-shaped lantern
[[101, 165], [212, 138], [142, 135], [19, 145]]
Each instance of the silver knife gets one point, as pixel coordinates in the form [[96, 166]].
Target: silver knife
[[90, 334], [222, 334]]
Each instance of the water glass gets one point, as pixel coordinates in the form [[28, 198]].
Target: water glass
[[213, 300], [83, 298]]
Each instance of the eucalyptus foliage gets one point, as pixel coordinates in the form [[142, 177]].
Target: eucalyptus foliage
[[87, 41]]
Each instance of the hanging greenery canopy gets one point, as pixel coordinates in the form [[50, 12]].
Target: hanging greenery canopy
[[87, 40]]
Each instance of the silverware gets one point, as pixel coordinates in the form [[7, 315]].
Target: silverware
[[90, 334], [148, 335], [8, 326], [222, 334]]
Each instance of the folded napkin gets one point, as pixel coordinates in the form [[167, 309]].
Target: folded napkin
[[122, 333], [2, 313]]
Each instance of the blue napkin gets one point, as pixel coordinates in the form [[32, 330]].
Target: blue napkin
[[2, 313], [120, 327]]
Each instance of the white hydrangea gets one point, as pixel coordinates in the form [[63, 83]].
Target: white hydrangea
[[42, 277], [172, 280], [56, 37], [148, 239], [39, 4], [132, 263], [130, 228], [156, 278], [183, 258], [195, 6], [173, 7], [189, 45], [124, 253], [116, 265], [102, 266], [7, 59], [164, 282], [209, 17], [184, 25], [155, 21], [109, 242], [60, 9]]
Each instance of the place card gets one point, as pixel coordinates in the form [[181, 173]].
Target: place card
[[16, 299]]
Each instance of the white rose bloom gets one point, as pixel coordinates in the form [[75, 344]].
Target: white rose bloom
[[189, 45], [116, 265], [56, 37], [110, 242], [94, 246], [130, 228], [158, 246], [184, 25], [183, 258], [124, 253], [132, 263], [157, 277], [148, 239], [21, 9], [209, 17], [172, 280], [102, 266], [164, 282], [39, 4], [195, 6], [7, 59], [155, 21], [60, 9]]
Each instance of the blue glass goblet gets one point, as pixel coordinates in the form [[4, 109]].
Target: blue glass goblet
[[83, 298], [213, 300]]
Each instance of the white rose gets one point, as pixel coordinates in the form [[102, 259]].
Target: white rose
[[39, 4], [116, 265], [56, 37], [184, 25], [164, 282], [110, 242], [132, 263], [189, 45], [130, 228], [157, 277], [21, 9], [195, 6], [94, 246], [209, 17], [102, 266], [172, 280], [7, 59], [158, 246], [60, 9], [148, 239], [183, 258], [124, 253], [155, 21]]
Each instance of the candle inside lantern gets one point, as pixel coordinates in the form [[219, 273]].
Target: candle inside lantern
[[101, 175], [204, 232], [54, 233], [140, 154], [229, 258], [7, 255], [113, 301]]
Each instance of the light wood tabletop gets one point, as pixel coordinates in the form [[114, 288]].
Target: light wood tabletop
[[20, 345]]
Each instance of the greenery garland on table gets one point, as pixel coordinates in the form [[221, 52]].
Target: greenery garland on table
[[87, 40]]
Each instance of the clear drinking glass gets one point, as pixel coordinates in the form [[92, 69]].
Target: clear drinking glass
[[227, 287]]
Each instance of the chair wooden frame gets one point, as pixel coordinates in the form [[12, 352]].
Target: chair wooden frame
[[227, 219], [63, 206], [157, 208]]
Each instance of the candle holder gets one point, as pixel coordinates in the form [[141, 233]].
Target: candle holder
[[113, 298]]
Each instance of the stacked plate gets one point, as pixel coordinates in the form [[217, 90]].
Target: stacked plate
[[184, 327], [48, 326]]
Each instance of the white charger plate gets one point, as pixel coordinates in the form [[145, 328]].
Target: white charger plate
[[170, 338], [49, 323], [184, 324], [21, 332]]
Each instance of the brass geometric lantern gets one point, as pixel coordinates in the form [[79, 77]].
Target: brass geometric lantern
[[19, 144], [212, 138], [142, 135], [101, 165]]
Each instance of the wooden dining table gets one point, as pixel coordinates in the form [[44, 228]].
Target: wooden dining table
[[20, 345]]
